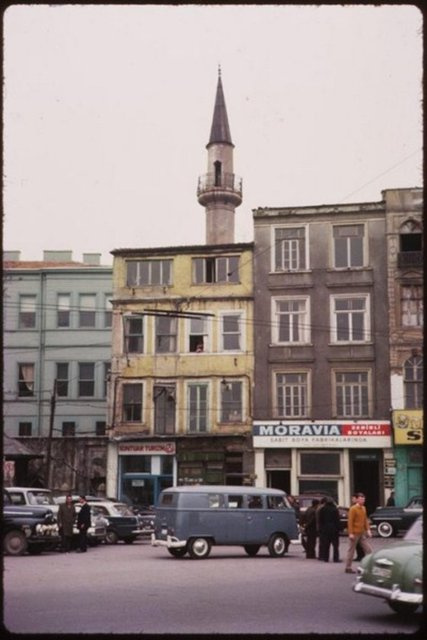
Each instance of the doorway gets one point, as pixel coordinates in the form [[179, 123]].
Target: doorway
[[366, 478], [279, 479]]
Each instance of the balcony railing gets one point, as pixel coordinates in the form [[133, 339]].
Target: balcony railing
[[410, 259], [224, 182]]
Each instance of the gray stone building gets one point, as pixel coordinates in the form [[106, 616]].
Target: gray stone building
[[322, 370], [57, 354], [405, 284]]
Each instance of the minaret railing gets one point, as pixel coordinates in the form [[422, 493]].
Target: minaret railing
[[226, 181]]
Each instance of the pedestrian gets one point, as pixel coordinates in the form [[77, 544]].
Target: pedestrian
[[359, 550], [358, 530], [66, 518], [329, 530], [309, 525], [83, 523], [390, 502]]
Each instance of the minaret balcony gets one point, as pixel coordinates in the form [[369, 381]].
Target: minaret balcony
[[226, 187]]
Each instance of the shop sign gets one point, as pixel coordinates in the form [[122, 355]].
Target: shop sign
[[408, 427], [151, 448], [316, 433]]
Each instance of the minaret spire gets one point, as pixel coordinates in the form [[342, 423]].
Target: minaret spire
[[220, 191]]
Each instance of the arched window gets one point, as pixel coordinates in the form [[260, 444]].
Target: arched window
[[413, 382]]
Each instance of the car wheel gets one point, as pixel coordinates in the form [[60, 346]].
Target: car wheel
[[178, 552], [111, 537], [252, 549], [385, 529], [199, 548], [278, 545], [15, 543], [402, 608]]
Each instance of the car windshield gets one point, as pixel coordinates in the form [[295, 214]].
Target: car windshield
[[415, 533], [40, 497]]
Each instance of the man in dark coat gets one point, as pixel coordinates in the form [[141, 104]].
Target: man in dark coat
[[66, 517], [83, 523], [310, 529], [329, 529]]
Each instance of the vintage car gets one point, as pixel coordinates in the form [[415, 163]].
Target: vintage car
[[396, 572], [27, 528], [389, 521], [121, 523], [32, 496]]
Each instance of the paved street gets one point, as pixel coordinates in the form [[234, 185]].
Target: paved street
[[140, 589]]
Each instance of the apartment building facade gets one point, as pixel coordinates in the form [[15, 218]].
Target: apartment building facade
[[57, 355]]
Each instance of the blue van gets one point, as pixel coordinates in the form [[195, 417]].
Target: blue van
[[191, 519]]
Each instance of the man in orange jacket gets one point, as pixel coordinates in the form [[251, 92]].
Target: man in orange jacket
[[358, 530]]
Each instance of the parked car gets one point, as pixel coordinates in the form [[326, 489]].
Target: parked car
[[305, 499], [121, 523], [390, 521], [396, 572], [32, 496], [146, 517], [27, 528]]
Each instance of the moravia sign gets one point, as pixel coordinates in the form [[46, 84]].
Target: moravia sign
[[340, 433]]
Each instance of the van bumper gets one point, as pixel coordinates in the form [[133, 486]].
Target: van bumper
[[170, 542]]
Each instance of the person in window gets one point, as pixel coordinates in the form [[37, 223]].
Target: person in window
[[199, 347], [66, 517], [83, 523]]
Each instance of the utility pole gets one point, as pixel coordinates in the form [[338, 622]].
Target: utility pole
[[49, 441]]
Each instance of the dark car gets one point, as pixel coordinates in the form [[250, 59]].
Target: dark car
[[28, 528], [390, 521], [121, 523], [305, 499]]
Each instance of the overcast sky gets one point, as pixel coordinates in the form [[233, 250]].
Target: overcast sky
[[107, 112]]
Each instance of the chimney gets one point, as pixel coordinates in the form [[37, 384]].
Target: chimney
[[11, 256], [93, 259], [57, 256]]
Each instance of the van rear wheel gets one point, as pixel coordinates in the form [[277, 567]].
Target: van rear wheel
[[252, 549], [199, 548], [178, 552], [277, 545]]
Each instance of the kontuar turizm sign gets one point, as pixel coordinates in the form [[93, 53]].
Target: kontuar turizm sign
[[317, 433]]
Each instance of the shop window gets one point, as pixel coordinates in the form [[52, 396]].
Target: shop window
[[292, 392], [25, 429], [25, 380], [411, 305], [314, 463], [348, 246], [62, 379], [86, 380], [291, 321], [64, 310], [164, 409], [413, 383], [166, 465], [136, 464], [350, 319], [132, 402], [87, 310], [289, 248], [352, 394]]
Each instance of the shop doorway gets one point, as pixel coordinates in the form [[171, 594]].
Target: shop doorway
[[366, 478], [279, 479]]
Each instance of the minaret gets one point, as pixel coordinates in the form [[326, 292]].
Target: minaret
[[220, 191]]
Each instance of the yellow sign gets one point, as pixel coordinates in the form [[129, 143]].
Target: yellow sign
[[408, 427]]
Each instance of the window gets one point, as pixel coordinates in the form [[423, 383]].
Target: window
[[413, 383], [231, 401], [291, 323], [62, 379], [134, 335], [136, 464], [166, 334], [25, 429], [63, 310], [198, 335], [27, 312], [291, 391], [108, 312], [132, 402], [198, 408], [412, 305], [216, 270], [68, 428], [235, 501], [290, 252], [352, 394], [320, 464], [86, 379], [231, 332], [348, 246], [107, 371], [350, 319], [87, 312], [149, 272], [25, 380], [100, 428], [411, 239], [164, 409]]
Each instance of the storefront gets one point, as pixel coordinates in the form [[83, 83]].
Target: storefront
[[338, 457], [408, 440]]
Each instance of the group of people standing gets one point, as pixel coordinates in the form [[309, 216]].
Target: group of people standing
[[321, 522], [66, 518]]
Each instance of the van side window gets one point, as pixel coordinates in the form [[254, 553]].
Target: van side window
[[168, 499], [254, 502], [216, 501], [235, 502], [275, 502]]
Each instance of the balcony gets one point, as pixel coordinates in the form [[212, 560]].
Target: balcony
[[410, 259], [226, 187]]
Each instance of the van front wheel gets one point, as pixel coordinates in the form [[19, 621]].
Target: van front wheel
[[252, 549], [277, 546], [199, 548]]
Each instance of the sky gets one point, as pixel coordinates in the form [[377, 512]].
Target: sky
[[107, 111]]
